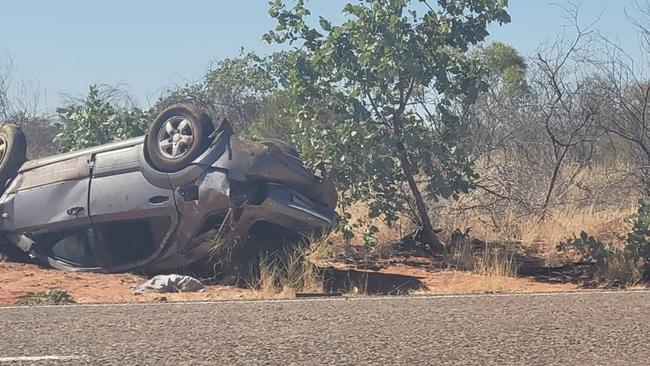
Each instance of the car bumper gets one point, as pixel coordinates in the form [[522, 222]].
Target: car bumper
[[288, 209]]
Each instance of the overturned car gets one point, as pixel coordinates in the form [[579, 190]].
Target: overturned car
[[159, 202]]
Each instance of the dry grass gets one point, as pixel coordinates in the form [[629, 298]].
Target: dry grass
[[496, 264], [596, 200], [562, 223], [283, 273], [557, 224], [384, 237], [463, 256], [489, 262], [325, 247], [543, 234], [333, 246], [638, 287]]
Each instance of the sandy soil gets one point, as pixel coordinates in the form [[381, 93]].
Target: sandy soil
[[17, 279]]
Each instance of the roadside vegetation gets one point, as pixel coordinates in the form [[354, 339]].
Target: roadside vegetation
[[50, 297], [285, 273], [618, 265], [440, 143]]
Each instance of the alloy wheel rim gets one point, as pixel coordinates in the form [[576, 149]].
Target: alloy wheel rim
[[175, 138]]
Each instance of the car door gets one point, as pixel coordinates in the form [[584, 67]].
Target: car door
[[132, 218], [51, 197], [47, 205]]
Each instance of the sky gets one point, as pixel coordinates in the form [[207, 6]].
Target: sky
[[149, 46]]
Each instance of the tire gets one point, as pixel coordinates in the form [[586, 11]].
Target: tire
[[13, 152], [177, 136]]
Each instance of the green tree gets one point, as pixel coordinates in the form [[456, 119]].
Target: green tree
[[240, 86], [272, 120], [503, 101], [374, 97], [503, 67], [98, 120], [247, 90]]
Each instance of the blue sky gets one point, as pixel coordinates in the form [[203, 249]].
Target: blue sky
[[150, 45]]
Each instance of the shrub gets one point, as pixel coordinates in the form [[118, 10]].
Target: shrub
[[50, 297], [614, 265], [637, 246], [610, 265], [98, 120]]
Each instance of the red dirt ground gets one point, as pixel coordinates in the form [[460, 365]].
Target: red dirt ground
[[16, 279]]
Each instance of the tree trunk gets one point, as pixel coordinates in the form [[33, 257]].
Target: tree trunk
[[554, 176], [423, 213], [427, 228]]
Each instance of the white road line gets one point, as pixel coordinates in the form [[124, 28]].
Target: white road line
[[37, 358], [344, 298]]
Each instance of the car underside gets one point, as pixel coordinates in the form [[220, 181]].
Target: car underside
[[190, 190]]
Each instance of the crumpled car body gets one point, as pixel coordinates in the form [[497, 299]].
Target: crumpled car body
[[106, 209]]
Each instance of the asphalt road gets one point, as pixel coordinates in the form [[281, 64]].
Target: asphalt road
[[585, 329]]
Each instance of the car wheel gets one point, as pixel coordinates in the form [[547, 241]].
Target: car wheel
[[178, 135], [13, 152]]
